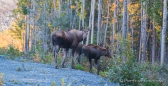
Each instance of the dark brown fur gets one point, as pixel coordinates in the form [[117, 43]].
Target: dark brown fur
[[95, 52], [78, 50]]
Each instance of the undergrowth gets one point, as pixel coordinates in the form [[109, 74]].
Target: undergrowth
[[128, 72], [125, 72], [80, 67], [10, 52]]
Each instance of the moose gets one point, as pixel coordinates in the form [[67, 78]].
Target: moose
[[95, 52], [78, 51], [67, 40]]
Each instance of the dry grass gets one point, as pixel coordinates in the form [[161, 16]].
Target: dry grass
[[1, 79]]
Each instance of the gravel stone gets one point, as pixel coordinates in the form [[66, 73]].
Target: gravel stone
[[17, 73]]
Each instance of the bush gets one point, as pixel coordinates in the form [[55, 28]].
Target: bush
[[47, 58], [43, 57], [10, 51], [80, 67], [135, 74], [3, 50], [154, 74], [13, 52], [126, 71]]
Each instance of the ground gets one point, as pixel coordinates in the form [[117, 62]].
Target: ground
[[21, 73]]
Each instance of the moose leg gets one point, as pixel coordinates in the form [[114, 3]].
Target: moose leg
[[97, 66], [78, 58], [72, 63], [90, 62], [65, 56], [56, 50]]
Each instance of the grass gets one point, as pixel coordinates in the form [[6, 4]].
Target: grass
[[63, 82], [1, 79], [80, 67], [53, 83]]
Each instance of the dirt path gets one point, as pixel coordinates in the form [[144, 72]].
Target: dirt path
[[18, 73]]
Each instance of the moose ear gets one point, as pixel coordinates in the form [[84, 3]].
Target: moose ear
[[106, 47], [89, 29], [82, 28], [69, 29], [100, 44]]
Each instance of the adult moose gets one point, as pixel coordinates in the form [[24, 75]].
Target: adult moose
[[67, 40], [95, 52]]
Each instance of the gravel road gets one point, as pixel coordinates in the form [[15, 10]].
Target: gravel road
[[17, 73]]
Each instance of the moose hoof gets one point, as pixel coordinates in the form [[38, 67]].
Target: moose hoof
[[63, 66], [73, 67], [56, 67]]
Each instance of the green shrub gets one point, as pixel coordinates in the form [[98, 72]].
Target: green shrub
[[53, 83], [3, 50], [122, 68], [104, 74], [125, 73], [80, 67], [154, 74], [13, 52], [47, 58], [141, 74], [10, 52]]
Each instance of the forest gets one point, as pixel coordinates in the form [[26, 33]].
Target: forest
[[135, 31]]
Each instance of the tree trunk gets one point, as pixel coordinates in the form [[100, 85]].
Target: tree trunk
[[132, 33], [27, 35], [124, 25], [54, 14], [70, 14], [163, 32], [33, 29], [114, 29], [90, 19], [99, 21], [153, 43], [143, 34], [124, 30], [59, 15], [107, 20], [83, 11], [92, 31]]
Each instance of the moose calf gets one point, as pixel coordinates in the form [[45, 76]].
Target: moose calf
[[95, 52], [78, 51]]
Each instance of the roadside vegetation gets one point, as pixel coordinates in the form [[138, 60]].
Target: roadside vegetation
[[125, 72]]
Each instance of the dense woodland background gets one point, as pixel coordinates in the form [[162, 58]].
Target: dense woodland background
[[133, 30]]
